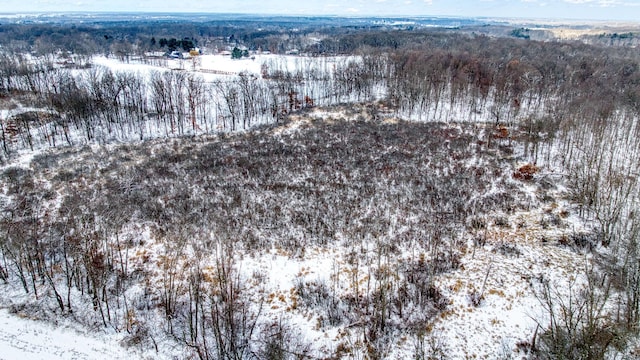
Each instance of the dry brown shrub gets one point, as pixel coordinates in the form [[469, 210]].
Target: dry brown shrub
[[501, 133], [525, 172]]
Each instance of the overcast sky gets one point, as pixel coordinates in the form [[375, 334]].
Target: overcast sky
[[554, 9]]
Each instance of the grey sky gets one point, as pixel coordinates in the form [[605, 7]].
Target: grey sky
[[554, 9]]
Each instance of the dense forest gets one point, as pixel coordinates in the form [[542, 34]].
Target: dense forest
[[146, 191]]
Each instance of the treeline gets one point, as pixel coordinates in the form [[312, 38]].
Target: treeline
[[551, 90], [173, 43], [441, 77], [139, 36], [78, 106]]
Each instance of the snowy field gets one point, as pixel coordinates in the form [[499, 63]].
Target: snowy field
[[212, 67], [202, 63]]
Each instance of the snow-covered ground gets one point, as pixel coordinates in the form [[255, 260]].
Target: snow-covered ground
[[202, 63], [26, 339], [513, 262], [212, 67]]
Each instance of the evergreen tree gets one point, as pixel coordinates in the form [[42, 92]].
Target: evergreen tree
[[236, 53]]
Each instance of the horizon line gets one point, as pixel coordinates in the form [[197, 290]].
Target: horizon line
[[327, 15]]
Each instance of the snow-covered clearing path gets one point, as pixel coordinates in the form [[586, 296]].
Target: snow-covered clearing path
[[26, 339]]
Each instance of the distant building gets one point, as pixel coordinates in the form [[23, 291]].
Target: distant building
[[156, 54], [176, 55]]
